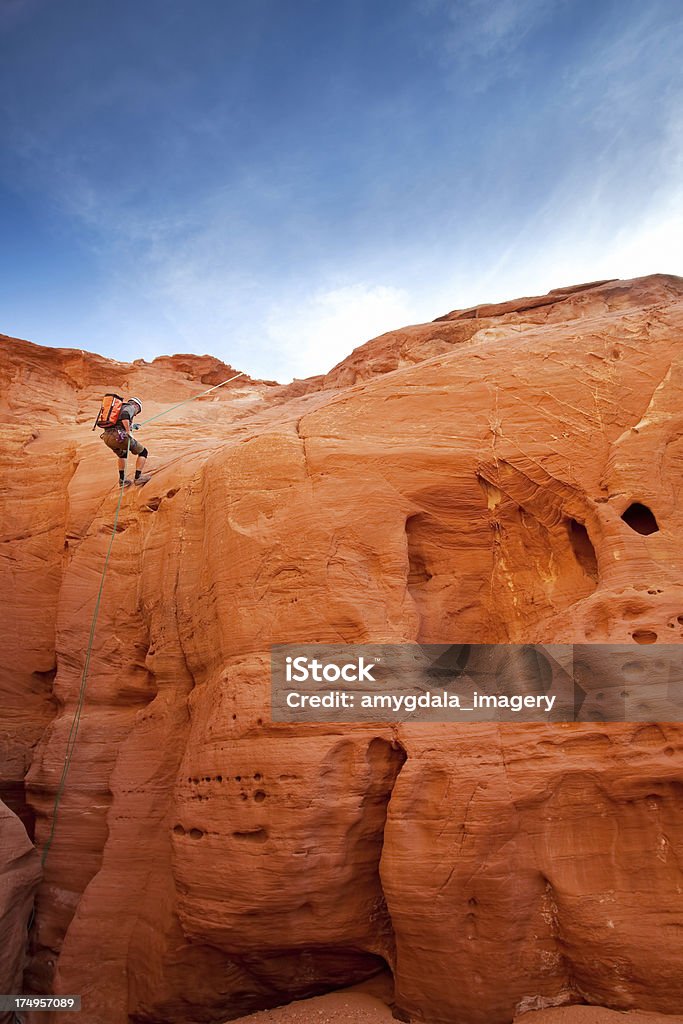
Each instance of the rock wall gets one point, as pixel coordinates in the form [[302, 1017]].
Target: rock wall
[[508, 473], [19, 878]]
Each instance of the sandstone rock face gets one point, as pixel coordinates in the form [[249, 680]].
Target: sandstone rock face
[[19, 877], [506, 474]]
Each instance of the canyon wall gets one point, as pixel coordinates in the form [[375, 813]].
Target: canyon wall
[[19, 877], [508, 473]]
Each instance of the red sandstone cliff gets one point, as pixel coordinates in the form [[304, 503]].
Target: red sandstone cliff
[[455, 481]]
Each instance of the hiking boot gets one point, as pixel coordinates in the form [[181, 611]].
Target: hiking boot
[[126, 483], [142, 480]]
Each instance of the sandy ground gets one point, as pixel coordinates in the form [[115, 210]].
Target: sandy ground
[[361, 1008], [335, 1008], [595, 1015]]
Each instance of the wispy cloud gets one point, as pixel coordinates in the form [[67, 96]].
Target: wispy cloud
[[632, 74], [484, 39]]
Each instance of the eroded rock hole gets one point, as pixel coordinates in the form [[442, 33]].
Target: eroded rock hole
[[44, 680], [418, 573], [257, 835], [640, 518], [649, 736], [644, 636], [583, 549], [259, 796]]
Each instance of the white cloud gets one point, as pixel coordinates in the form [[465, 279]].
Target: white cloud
[[311, 335], [655, 245]]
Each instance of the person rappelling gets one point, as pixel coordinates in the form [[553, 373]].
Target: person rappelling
[[116, 419]]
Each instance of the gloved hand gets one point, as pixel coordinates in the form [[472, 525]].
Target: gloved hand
[[135, 426]]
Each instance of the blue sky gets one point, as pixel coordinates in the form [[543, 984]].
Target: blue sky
[[276, 181]]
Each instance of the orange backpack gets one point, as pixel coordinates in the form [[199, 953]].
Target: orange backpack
[[110, 410]]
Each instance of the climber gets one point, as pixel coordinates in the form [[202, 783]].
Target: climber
[[118, 426]]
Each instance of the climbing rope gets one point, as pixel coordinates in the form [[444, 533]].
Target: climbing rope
[[73, 732], [194, 397]]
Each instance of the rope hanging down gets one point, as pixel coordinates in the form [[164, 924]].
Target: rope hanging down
[[73, 732]]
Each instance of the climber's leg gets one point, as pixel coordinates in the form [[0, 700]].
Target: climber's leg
[[141, 459]]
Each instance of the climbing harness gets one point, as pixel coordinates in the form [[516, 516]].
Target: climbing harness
[[73, 732]]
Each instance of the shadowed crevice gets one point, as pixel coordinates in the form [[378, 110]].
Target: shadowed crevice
[[641, 519], [583, 549]]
